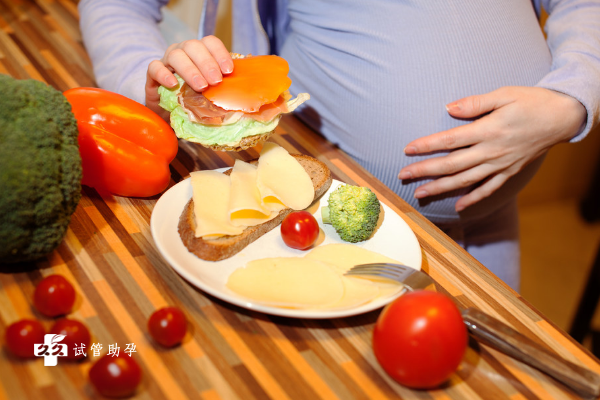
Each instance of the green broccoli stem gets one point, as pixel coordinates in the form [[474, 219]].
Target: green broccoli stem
[[325, 215]]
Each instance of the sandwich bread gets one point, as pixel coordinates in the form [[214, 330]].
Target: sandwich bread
[[226, 246]]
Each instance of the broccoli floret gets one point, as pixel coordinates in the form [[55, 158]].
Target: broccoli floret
[[40, 169], [353, 212]]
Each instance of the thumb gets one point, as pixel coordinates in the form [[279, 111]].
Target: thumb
[[474, 106]]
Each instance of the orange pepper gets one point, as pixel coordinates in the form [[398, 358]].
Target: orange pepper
[[255, 81], [125, 147]]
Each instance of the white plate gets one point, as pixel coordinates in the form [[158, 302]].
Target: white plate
[[394, 239]]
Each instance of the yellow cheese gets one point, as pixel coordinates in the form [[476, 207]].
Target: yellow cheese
[[356, 292], [345, 256], [245, 204], [282, 181], [288, 282], [226, 205], [211, 191], [314, 281]]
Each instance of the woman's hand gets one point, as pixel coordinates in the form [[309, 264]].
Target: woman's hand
[[521, 124], [199, 62]]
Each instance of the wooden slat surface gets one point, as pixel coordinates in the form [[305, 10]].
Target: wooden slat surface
[[231, 353]]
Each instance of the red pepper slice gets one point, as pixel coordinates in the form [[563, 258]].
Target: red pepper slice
[[125, 147]]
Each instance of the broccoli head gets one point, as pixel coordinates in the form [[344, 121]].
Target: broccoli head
[[40, 169], [353, 212]]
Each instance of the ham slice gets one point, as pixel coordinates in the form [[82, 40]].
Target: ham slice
[[202, 110]]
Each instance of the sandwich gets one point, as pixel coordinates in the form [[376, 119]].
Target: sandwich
[[238, 113], [230, 210]]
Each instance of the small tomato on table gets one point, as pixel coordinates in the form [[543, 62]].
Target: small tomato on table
[[22, 336], [125, 147], [77, 336], [54, 296], [115, 376], [420, 339], [168, 326]]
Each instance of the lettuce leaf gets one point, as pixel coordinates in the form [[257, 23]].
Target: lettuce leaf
[[209, 134]]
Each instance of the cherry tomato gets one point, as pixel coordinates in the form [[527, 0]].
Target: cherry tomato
[[116, 376], [300, 230], [420, 339], [167, 326], [77, 335], [23, 335], [54, 296]]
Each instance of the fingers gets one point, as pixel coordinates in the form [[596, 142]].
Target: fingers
[[480, 193], [474, 106], [179, 60], [158, 74], [458, 160], [219, 53], [199, 62], [481, 173], [454, 138], [460, 180]]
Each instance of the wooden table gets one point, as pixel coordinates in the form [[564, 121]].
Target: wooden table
[[231, 353]]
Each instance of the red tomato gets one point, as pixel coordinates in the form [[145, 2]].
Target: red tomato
[[300, 230], [125, 147], [168, 326], [54, 296], [23, 335], [420, 339], [116, 376], [77, 335]]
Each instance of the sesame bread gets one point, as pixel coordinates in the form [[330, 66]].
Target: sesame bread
[[227, 246]]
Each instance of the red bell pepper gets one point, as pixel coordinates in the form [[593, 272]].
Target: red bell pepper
[[125, 147]]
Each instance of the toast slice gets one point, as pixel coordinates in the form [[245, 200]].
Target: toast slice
[[244, 143], [227, 246]]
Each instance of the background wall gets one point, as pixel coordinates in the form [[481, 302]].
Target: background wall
[[189, 12], [566, 172]]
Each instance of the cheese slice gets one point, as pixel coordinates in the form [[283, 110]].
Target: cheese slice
[[290, 282], [343, 256], [356, 292], [245, 204], [315, 281], [211, 192], [282, 181]]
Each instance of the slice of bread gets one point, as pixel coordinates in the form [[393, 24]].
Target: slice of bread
[[227, 246], [245, 143]]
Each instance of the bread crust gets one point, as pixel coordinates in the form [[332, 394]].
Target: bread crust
[[227, 246], [243, 144]]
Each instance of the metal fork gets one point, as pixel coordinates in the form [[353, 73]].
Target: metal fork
[[493, 332]]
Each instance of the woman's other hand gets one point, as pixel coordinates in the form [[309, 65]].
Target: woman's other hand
[[516, 125]]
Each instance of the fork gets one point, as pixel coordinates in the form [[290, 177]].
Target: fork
[[492, 331]]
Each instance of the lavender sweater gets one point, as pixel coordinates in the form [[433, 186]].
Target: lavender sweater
[[380, 72]]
